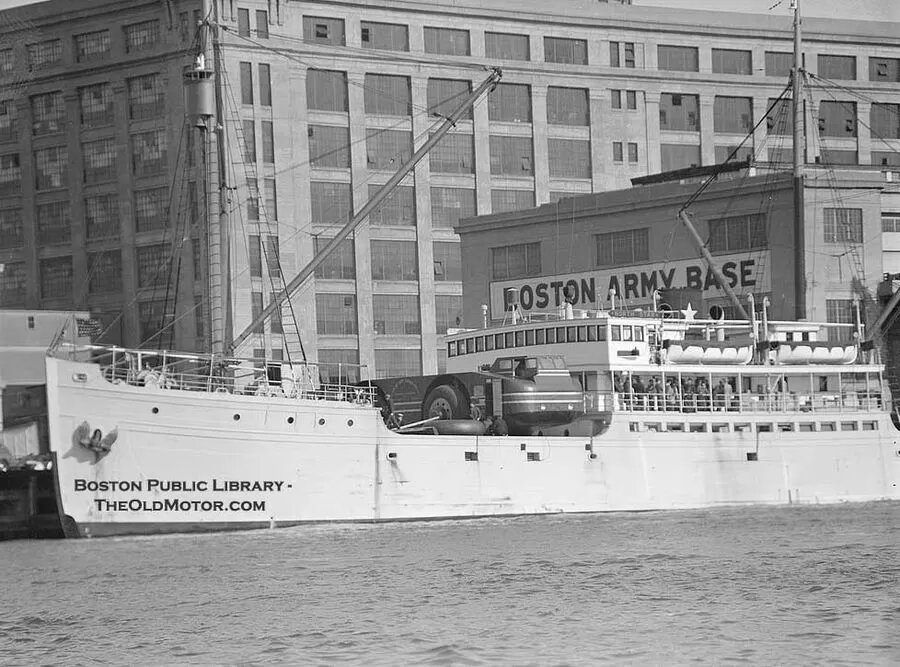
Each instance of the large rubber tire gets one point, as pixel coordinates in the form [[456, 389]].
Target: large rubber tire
[[445, 402]]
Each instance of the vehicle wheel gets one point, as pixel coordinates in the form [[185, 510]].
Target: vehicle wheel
[[445, 402]]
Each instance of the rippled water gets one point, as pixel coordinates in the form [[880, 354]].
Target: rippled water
[[792, 585]]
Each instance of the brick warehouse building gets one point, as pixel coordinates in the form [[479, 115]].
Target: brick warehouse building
[[321, 102]]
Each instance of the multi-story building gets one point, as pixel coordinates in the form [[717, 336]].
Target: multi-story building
[[320, 102]]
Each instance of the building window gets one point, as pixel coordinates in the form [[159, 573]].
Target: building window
[[326, 90], [265, 85], [387, 149], [833, 156], [678, 58], [262, 24], [733, 154], [51, 168], [615, 99], [154, 323], [445, 96], [151, 209], [732, 115], [567, 106], [447, 41], [7, 61], [56, 278], [384, 36], [618, 152], [268, 142], [246, 77], [48, 113], [323, 30], [387, 95], [336, 315], [843, 225], [101, 216], [141, 36], [394, 362], [252, 199], [837, 119], [271, 199], [329, 147], [8, 117], [44, 54], [153, 264], [396, 314], [276, 323], [394, 260], [629, 246], [148, 153], [12, 234], [632, 152], [256, 309], [13, 280], [453, 154], [96, 104], [837, 67], [449, 205], [678, 156], [339, 366], [249, 140], [105, 270], [780, 120], [840, 311], [510, 102], [244, 23], [397, 209], [10, 174], [447, 262], [512, 156], [254, 256], [340, 264], [330, 202], [91, 45], [890, 222], [679, 112], [99, 159], [631, 99], [736, 233], [506, 46], [516, 261], [503, 201], [779, 63], [731, 61], [565, 51], [447, 312], [621, 54], [884, 69], [569, 158], [885, 121], [54, 223]]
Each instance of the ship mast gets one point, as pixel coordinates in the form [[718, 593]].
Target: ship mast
[[799, 150], [203, 104], [345, 231]]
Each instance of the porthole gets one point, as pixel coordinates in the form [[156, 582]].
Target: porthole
[[349, 422], [236, 416], [322, 421], [290, 420], [155, 411]]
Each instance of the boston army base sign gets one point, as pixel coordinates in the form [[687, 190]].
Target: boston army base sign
[[633, 285]]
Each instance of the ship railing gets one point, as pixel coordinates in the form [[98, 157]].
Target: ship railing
[[163, 370], [774, 402]]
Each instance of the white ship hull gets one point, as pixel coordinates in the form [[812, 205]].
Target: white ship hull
[[183, 461]]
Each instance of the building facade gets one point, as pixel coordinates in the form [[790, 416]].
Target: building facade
[[321, 102], [617, 249]]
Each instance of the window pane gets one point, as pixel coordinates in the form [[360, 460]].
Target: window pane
[[512, 156], [340, 264], [511, 200], [387, 149], [567, 106], [566, 51], [678, 58], [330, 202], [394, 260], [448, 205], [506, 46], [329, 147], [453, 154], [385, 36], [387, 95], [447, 262], [398, 208], [729, 61], [396, 314], [336, 314], [569, 158], [445, 96], [326, 90], [510, 102], [447, 41]]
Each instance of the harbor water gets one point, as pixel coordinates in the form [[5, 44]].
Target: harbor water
[[764, 585]]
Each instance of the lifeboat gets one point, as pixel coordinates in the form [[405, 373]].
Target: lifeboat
[[707, 352], [804, 352]]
